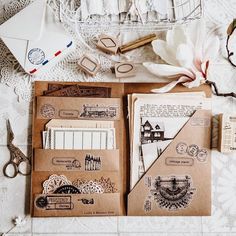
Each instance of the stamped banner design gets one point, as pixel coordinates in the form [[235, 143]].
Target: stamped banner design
[[78, 108]]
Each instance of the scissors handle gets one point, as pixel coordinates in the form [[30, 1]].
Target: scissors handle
[[24, 167], [7, 169]]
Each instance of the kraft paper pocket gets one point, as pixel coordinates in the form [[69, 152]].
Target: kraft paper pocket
[[89, 161], [179, 182], [75, 194], [78, 108], [76, 205]]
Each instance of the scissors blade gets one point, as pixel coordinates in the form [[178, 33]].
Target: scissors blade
[[9, 132]]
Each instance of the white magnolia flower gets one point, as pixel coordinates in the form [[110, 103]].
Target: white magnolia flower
[[188, 51]]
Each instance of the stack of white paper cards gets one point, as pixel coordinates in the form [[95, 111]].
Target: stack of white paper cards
[[79, 135]]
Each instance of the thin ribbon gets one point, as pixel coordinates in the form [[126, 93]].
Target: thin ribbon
[[171, 85]]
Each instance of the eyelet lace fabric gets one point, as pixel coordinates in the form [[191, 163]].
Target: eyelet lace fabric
[[84, 36]]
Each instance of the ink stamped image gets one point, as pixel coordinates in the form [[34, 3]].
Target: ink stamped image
[[36, 56]]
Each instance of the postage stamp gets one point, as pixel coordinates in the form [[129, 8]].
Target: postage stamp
[[47, 111], [181, 148], [193, 150], [202, 155], [36, 56]]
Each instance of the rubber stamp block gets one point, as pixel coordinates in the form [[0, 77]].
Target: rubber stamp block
[[124, 70], [227, 134], [108, 44], [89, 65]]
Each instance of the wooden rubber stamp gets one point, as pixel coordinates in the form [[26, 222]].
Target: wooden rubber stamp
[[124, 70], [108, 44], [89, 65], [227, 134]]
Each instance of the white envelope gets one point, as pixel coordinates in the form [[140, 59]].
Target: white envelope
[[36, 37]]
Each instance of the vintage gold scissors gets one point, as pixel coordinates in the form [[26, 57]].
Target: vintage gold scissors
[[18, 163]]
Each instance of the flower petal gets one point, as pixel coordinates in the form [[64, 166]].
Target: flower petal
[[161, 49], [200, 37], [195, 83], [163, 70], [204, 67], [171, 85], [176, 36], [211, 48], [184, 55]]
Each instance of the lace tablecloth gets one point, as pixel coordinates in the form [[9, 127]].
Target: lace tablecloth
[[16, 106]]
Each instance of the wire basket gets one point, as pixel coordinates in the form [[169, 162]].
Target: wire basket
[[136, 13]]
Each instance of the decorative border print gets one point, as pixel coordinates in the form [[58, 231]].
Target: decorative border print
[[54, 202], [99, 111], [78, 108], [173, 193], [202, 122]]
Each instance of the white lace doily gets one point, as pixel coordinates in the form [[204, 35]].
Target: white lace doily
[[54, 182]]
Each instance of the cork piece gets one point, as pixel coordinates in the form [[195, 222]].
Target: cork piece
[[125, 69], [89, 65], [108, 44]]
